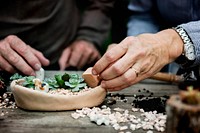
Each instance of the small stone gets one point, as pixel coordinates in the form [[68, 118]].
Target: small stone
[[149, 131], [132, 127], [123, 128]]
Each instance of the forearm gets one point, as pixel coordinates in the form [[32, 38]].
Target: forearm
[[96, 22]]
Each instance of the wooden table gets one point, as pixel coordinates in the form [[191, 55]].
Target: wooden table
[[22, 121]]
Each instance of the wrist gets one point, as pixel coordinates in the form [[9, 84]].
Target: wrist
[[175, 44]]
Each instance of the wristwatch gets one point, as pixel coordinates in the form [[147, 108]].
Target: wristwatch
[[188, 57]]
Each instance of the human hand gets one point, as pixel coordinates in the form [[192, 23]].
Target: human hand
[[111, 46], [137, 58], [78, 54], [15, 56]]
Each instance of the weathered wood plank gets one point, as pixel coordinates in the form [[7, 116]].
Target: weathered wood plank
[[22, 121]]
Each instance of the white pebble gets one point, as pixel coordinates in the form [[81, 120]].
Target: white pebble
[[135, 109], [116, 126], [149, 131], [118, 109], [123, 128], [75, 115], [142, 110], [99, 121], [40, 74], [132, 127]]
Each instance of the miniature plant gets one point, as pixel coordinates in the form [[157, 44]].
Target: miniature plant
[[191, 96], [28, 82], [52, 83], [16, 76], [71, 81], [67, 81]]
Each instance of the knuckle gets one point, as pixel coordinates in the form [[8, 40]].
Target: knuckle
[[10, 38], [109, 57], [130, 39], [117, 69], [142, 53], [2, 47], [81, 46], [126, 79], [23, 49], [14, 59], [89, 51]]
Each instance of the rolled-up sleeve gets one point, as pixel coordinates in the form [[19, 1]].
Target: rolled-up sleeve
[[193, 30]]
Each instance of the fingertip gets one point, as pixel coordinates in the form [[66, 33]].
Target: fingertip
[[47, 62], [103, 84], [37, 66], [62, 68]]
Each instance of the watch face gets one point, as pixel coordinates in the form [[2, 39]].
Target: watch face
[[189, 52]]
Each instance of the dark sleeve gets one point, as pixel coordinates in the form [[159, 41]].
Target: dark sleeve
[[96, 22]]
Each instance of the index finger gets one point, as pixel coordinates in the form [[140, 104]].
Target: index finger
[[109, 57], [22, 49]]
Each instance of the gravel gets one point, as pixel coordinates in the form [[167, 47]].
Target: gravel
[[123, 120]]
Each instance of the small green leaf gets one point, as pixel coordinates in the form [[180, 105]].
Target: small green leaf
[[75, 89], [52, 83], [65, 77], [59, 80], [75, 76], [82, 85], [73, 81], [16, 76], [81, 79], [70, 85]]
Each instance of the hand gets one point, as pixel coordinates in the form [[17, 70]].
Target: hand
[[111, 46], [15, 56], [137, 58], [78, 54]]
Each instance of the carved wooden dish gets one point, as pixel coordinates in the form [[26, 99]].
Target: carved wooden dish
[[29, 99]]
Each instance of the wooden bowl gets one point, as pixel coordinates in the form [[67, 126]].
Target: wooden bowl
[[29, 99]]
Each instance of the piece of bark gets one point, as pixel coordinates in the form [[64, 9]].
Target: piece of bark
[[181, 117], [90, 79]]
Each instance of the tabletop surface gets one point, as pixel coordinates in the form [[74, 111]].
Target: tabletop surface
[[22, 121]]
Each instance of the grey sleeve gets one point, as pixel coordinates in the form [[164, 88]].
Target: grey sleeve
[[193, 30]]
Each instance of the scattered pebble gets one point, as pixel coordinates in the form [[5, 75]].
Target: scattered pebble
[[121, 119], [7, 101], [68, 92]]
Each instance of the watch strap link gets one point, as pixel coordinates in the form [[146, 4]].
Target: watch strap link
[[187, 58]]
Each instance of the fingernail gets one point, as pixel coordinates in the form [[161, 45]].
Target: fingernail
[[94, 72], [37, 66]]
